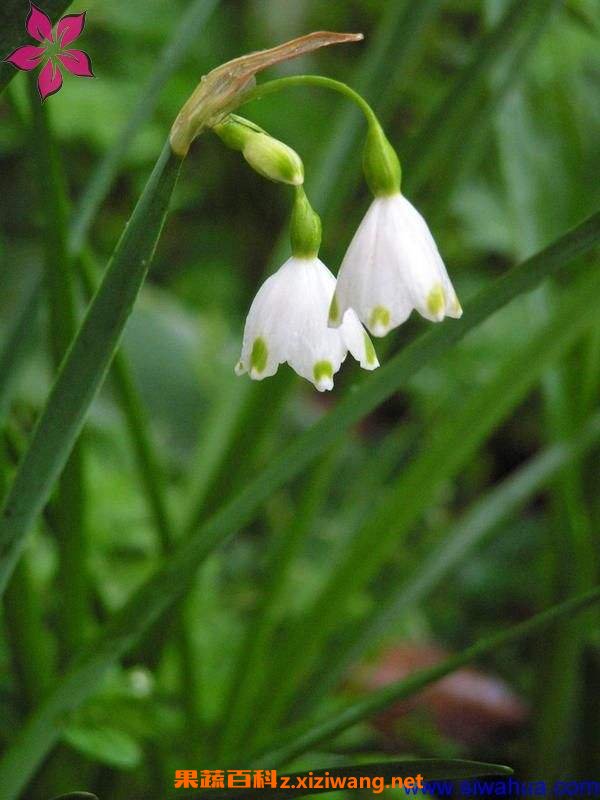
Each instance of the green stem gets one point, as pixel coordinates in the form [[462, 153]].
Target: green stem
[[279, 84], [74, 611]]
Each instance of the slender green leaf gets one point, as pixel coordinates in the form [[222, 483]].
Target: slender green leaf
[[85, 364], [377, 701], [181, 41], [38, 736], [13, 15], [429, 769]]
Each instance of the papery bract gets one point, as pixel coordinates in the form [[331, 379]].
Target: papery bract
[[69, 28], [26, 57], [77, 62], [38, 24], [49, 80]]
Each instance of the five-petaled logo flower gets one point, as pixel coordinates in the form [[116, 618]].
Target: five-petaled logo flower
[[53, 51]]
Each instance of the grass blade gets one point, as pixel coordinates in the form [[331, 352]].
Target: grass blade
[[38, 736], [381, 699], [85, 364], [181, 41]]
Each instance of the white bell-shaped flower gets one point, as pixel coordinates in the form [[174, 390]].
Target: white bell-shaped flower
[[288, 322], [392, 266]]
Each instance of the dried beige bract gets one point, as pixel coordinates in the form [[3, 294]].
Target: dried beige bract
[[222, 90]]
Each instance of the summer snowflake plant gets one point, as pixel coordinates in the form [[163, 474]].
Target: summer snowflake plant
[[53, 52], [301, 315]]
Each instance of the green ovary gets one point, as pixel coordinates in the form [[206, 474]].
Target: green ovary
[[260, 353], [323, 369], [436, 301]]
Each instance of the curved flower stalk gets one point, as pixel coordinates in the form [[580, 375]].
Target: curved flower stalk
[[392, 265], [287, 321], [53, 52]]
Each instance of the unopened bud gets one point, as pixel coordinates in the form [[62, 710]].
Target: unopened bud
[[268, 156]]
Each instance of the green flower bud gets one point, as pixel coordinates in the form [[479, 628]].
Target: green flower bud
[[305, 229], [268, 156], [380, 163]]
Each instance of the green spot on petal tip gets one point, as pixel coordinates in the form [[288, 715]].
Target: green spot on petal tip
[[260, 353], [379, 321], [436, 301], [323, 374]]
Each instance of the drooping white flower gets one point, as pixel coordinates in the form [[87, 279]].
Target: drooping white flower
[[287, 322], [392, 266]]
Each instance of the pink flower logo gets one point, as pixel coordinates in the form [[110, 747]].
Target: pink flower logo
[[53, 50]]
